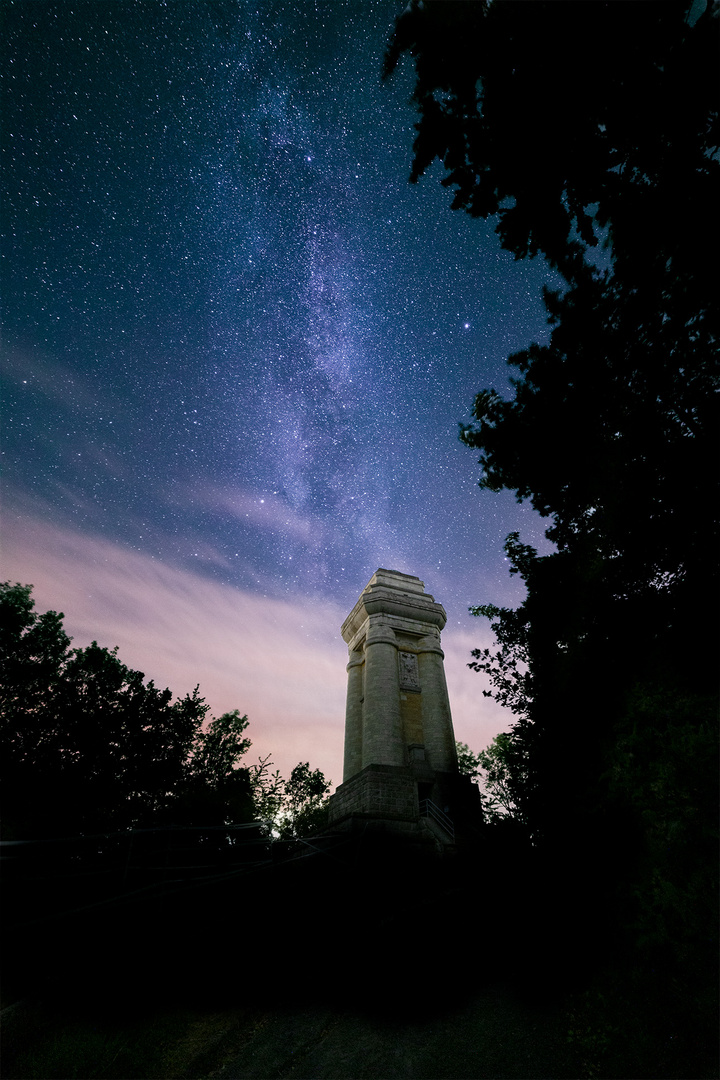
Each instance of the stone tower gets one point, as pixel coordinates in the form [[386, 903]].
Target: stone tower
[[400, 772]]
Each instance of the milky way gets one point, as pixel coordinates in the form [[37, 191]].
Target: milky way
[[236, 340]]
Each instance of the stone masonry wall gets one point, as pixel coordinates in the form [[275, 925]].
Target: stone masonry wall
[[379, 790]]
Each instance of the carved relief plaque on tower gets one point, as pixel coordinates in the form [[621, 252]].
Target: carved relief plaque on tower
[[409, 675]]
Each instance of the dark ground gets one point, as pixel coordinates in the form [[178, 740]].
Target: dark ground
[[336, 965], [490, 1035]]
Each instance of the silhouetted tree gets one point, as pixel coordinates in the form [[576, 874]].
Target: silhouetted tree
[[569, 120], [305, 802], [86, 744], [499, 771], [290, 808], [268, 789], [591, 132], [217, 787], [468, 762]]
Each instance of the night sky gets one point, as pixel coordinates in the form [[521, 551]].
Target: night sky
[[237, 344]]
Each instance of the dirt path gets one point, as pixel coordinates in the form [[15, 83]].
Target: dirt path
[[492, 1035]]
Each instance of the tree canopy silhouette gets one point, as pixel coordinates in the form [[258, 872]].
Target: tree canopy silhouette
[[589, 132], [86, 745], [589, 128]]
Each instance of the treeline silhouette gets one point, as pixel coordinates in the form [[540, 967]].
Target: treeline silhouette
[[590, 134], [126, 817]]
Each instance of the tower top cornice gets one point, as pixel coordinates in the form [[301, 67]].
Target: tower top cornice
[[395, 596]]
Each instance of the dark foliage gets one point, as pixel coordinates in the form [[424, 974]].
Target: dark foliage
[[591, 131], [305, 809], [87, 746], [216, 788], [85, 743], [537, 118]]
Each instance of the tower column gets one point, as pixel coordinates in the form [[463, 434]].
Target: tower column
[[437, 722], [382, 742], [354, 715]]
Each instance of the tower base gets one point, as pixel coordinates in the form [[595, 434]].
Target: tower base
[[412, 802]]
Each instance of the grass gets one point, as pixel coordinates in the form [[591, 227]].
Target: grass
[[61, 1044]]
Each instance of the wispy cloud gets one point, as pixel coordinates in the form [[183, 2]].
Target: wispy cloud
[[262, 509], [282, 661], [42, 374]]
